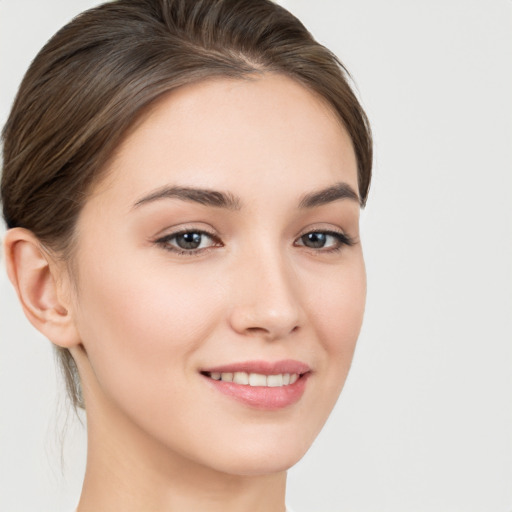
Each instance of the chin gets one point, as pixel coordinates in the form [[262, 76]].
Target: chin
[[260, 464], [263, 456]]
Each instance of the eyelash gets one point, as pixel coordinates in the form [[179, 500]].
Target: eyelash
[[341, 240], [165, 242]]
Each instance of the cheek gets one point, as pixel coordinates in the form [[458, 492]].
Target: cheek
[[141, 323], [339, 310], [344, 310]]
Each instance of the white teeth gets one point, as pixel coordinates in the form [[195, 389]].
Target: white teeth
[[274, 381], [241, 378], [257, 379]]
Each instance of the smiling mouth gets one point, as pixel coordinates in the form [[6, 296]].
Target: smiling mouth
[[263, 385], [255, 379]]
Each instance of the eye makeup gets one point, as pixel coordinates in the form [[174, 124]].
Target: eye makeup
[[190, 241], [325, 240]]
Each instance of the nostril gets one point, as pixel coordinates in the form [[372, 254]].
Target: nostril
[[257, 330], [270, 333]]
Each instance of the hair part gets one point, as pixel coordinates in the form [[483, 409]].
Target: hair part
[[99, 73]]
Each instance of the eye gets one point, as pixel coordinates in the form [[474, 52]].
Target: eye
[[326, 240], [190, 241]]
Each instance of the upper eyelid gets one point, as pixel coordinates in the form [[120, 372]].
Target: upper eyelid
[[329, 231], [342, 238], [165, 242], [202, 226], [339, 235], [321, 230], [215, 239], [170, 232], [183, 231]]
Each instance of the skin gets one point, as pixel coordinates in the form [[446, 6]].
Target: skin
[[142, 319]]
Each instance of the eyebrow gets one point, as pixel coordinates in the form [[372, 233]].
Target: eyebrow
[[229, 201], [328, 195], [202, 196]]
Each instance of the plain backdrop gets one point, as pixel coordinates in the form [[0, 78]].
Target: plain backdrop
[[424, 423]]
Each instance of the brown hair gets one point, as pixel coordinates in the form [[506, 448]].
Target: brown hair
[[89, 83]]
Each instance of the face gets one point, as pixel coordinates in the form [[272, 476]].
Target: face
[[220, 277]]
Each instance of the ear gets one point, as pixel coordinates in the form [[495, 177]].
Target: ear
[[42, 286]]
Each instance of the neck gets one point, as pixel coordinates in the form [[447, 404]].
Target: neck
[[107, 487]]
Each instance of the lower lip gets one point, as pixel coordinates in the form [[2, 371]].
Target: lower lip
[[263, 397]]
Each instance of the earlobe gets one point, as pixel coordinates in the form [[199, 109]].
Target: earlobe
[[40, 287]]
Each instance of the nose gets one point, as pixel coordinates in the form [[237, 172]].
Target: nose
[[266, 302]]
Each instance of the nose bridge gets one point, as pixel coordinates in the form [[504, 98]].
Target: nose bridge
[[267, 302]]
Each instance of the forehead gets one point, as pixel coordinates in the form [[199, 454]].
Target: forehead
[[245, 133]]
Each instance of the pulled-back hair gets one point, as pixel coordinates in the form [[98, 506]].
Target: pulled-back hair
[[91, 81]]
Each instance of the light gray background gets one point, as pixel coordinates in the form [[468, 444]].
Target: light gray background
[[425, 420]]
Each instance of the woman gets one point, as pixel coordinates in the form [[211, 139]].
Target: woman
[[182, 184]]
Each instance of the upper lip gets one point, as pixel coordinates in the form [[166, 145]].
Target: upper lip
[[261, 367]]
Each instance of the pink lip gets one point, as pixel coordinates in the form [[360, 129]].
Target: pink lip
[[262, 367], [262, 397]]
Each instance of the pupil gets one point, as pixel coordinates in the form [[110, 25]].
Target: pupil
[[189, 240], [314, 239]]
